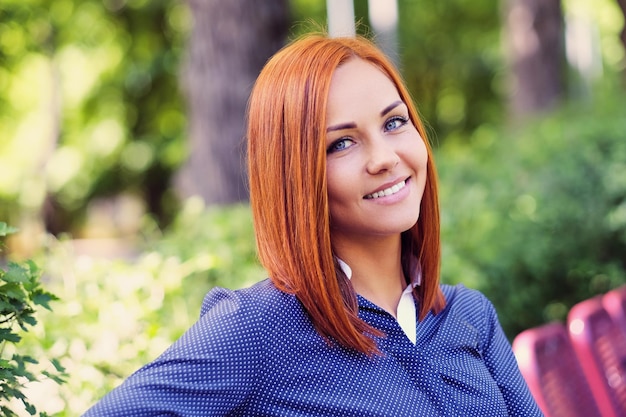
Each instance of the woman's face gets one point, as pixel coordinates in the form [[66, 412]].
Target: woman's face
[[376, 159]]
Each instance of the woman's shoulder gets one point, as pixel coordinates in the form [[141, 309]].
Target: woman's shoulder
[[229, 318], [260, 316], [262, 300], [460, 293], [467, 302]]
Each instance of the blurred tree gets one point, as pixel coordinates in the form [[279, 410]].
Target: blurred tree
[[340, 17], [536, 218], [89, 106], [229, 43], [536, 51], [452, 61], [383, 17]]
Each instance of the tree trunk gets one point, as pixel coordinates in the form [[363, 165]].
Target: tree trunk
[[536, 51], [340, 16], [383, 17], [229, 43]]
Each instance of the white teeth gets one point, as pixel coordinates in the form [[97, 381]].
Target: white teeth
[[388, 191]]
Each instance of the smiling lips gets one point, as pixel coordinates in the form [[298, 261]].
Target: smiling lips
[[387, 191]]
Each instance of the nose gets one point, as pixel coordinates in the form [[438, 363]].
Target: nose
[[382, 156]]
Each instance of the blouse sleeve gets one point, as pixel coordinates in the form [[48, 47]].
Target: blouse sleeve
[[501, 362], [209, 371]]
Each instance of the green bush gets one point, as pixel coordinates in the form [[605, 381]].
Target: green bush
[[20, 295], [537, 218]]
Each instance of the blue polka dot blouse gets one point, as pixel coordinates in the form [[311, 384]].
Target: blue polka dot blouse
[[254, 352]]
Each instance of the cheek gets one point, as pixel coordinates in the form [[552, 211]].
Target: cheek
[[420, 156], [341, 186], [335, 187], [423, 165], [417, 159]]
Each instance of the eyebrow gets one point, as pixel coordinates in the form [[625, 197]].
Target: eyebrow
[[391, 107], [343, 126]]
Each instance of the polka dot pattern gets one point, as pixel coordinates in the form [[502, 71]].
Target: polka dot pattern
[[254, 352]]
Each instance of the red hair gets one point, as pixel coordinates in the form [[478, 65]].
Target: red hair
[[288, 195]]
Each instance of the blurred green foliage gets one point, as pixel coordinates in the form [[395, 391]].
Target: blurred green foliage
[[21, 294], [453, 63], [89, 104], [536, 218]]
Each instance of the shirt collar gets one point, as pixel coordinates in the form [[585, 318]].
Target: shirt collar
[[415, 272]]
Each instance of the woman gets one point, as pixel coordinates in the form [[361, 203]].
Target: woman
[[353, 320]]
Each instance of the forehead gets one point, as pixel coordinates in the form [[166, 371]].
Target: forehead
[[358, 84]]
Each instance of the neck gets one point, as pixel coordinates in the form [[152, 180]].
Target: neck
[[376, 269]]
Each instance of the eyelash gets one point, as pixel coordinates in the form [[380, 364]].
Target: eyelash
[[332, 146], [402, 119]]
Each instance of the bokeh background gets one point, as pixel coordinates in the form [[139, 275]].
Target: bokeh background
[[121, 140]]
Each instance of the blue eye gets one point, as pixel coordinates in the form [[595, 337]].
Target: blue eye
[[339, 145], [395, 122]]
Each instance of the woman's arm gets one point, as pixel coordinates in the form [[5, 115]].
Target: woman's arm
[[501, 362], [209, 371]]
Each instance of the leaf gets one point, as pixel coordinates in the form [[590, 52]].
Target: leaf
[[21, 371], [33, 267], [7, 412], [30, 408], [43, 299], [5, 308], [14, 291], [6, 375], [30, 359], [28, 319], [16, 273], [17, 394], [57, 365], [6, 229], [6, 335], [58, 379]]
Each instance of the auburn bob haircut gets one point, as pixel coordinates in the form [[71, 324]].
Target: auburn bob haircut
[[288, 195]]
